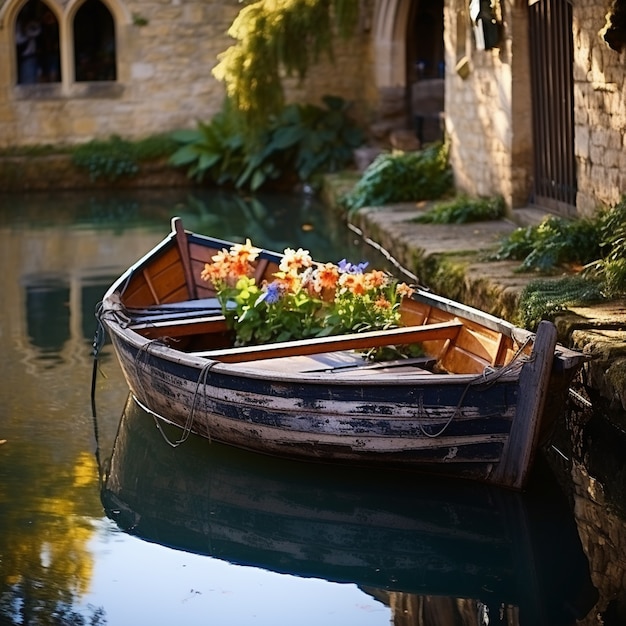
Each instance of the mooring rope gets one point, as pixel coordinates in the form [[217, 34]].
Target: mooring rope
[[385, 253], [487, 378], [187, 428]]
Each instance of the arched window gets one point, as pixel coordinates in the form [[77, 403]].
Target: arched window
[[37, 44], [94, 43]]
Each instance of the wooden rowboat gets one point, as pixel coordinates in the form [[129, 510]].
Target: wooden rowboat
[[476, 405]]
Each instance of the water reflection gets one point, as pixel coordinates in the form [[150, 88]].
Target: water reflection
[[403, 538], [418, 551], [47, 313], [273, 221]]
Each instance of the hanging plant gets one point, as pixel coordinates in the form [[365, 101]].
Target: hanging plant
[[276, 38]]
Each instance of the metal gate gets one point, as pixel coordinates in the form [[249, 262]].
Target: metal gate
[[551, 60]]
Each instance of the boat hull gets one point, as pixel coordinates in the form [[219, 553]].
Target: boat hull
[[479, 413], [448, 425]]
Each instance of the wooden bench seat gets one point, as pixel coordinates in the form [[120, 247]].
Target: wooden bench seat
[[343, 363], [357, 341]]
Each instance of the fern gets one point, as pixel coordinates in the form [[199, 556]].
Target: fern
[[553, 242], [544, 299], [462, 210]]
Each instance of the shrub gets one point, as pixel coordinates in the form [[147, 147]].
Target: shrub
[[553, 242], [544, 299], [303, 140], [117, 157], [402, 177], [598, 244]]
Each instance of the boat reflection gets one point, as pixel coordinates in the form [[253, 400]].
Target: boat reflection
[[399, 536]]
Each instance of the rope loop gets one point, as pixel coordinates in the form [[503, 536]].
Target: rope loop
[[487, 378]]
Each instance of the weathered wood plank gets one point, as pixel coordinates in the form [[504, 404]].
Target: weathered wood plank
[[183, 249], [181, 328], [534, 384], [358, 341]]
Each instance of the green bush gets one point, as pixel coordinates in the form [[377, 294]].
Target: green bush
[[552, 243], [463, 209], [544, 299], [597, 244], [303, 140], [118, 157], [611, 266], [402, 177]]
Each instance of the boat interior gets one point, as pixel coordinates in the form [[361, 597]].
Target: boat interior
[[166, 300]]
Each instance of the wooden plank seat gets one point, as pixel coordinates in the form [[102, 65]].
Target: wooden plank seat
[[346, 364], [167, 312], [356, 341], [179, 319]]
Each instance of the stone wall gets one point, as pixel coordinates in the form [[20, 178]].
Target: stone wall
[[488, 107], [165, 54], [599, 110]]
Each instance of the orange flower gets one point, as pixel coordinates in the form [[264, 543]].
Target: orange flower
[[212, 273], [326, 277], [222, 257], [404, 290], [288, 281], [354, 283], [244, 252], [375, 279], [382, 303], [239, 266]]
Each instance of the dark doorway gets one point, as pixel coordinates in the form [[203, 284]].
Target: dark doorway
[[425, 69]]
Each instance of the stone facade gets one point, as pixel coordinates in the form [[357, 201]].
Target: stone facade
[[165, 53], [488, 107], [166, 50], [488, 134]]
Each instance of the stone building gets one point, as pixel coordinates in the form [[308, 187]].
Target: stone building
[[529, 92]]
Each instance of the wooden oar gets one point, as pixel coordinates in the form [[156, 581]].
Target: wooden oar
[[357, 341]]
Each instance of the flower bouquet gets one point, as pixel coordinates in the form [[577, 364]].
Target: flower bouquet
[[305, 299]]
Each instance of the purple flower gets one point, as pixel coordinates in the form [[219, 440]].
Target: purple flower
[[271, 294], [345, 267]]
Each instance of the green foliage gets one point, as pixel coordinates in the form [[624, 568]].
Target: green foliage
[[599, 244], [214, 150], [35, 150], [463, 209], [303, 140], [544, 299], [402, 177], [118, 157], [553, 242], [275, 38], [611, 267]]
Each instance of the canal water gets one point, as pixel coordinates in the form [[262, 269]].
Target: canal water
[[103, 522]]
